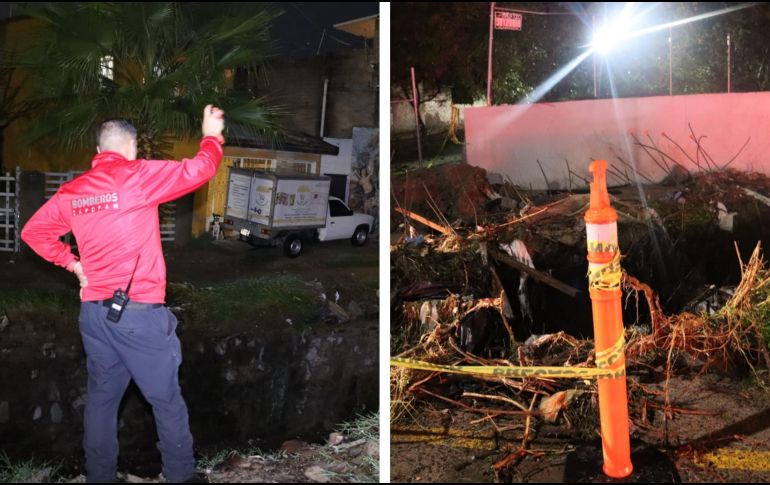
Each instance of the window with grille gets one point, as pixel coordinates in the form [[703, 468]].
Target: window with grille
[[252, 163], [272, 165], [295, 166]]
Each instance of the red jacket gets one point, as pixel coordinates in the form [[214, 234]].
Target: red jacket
[[112, 210]]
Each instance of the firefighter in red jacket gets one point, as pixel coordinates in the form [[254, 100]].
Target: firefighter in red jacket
[[112, 210]]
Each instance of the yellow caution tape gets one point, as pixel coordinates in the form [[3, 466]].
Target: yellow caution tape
[[604, 360], [607, 357], [606, 276], [601, 247]]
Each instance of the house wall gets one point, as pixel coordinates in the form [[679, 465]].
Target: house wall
[[352, 98]]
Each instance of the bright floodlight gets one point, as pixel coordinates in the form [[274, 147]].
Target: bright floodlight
[[613, 31], [605, 39]]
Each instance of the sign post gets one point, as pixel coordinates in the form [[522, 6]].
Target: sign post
[[501, 20], [505, 20]]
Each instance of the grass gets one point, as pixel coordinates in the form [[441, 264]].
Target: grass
[[36, 301], [29, 471], [270, 297], [364, 426], [208, 462], [352, 259]]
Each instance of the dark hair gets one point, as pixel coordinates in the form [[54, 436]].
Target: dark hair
[[114, 126]]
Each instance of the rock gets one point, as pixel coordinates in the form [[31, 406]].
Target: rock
[[56, 413], [79, 402], [220, 348], [336, 439], [4, 412], [48, 350], [355, 310], [53, 393], [37, 413], [338, 312], [726, 219], [317, 474], [294, 446], [351, 445], [372, 449], [4, 322], [129, 478], [40, 476], [230, 375], [233, 460]]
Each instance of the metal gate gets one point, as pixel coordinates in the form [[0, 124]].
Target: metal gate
[[54, 180], [166, 212], [167, 216], [9, 211]]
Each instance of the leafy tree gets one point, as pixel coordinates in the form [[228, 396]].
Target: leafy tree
[[12, 106], [157, 64]]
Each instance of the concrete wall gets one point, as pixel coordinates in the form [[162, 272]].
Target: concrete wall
[[340, 163], [510, 139], [297, 86], [353, 95]]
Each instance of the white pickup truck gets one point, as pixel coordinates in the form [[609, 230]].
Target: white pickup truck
[[268, 209]]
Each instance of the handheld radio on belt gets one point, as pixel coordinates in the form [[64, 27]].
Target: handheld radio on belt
[[120, 298]]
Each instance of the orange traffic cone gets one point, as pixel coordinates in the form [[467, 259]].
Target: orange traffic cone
[[604, 285]]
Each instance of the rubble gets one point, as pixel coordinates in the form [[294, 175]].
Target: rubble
[[507, 286]]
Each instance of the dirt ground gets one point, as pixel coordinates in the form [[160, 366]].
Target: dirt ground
[[728, 444]]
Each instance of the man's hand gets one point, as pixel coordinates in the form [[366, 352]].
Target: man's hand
[[78, 270], [213, 122]]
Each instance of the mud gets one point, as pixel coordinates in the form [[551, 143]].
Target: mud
[[442, 445]]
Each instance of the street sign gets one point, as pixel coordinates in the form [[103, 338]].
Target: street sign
[[507, 20]]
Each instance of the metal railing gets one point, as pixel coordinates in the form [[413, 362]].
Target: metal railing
[[9, 211]]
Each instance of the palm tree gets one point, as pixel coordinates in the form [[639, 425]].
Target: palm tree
[[156, 64]]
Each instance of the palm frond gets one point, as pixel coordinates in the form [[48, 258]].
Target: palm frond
[[168, 62]]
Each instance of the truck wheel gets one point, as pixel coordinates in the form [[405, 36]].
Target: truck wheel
[[360, 236], [292, 246], [251, 240]]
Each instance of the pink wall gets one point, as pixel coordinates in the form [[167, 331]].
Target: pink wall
[[509, 139]]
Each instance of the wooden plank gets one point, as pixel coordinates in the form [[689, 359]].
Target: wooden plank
[[538, 275], [427, 222]]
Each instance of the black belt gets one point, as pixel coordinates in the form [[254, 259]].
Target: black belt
[[132, 305]]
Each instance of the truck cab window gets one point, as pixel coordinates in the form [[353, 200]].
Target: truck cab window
[[338, 209]]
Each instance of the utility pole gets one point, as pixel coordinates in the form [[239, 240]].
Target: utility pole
[[489, 58]]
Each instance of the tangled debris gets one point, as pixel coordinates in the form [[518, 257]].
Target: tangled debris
[[484, 292]]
